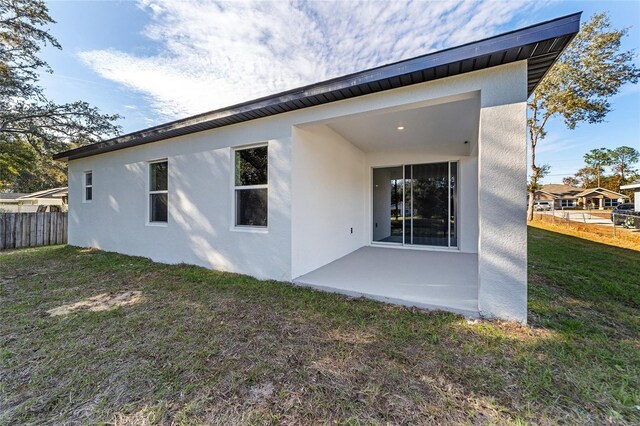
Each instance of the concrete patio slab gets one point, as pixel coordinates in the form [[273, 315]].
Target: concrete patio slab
[[421, 278]]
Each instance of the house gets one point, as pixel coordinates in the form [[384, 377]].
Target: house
[[298, 186], [569, 197], [636, 198], [562, 196], [55, 199], [600, 198]]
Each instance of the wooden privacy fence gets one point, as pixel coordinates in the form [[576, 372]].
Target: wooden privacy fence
[[19, 230]]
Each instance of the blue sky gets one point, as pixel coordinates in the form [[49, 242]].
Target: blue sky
[[154, 61]]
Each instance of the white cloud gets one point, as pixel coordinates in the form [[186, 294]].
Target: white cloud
[[215, 54], [557, 143]]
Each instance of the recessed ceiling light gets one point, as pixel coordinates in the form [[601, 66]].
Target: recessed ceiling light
[[400, 127]]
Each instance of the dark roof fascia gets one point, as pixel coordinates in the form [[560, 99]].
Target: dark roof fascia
[[555, 35]]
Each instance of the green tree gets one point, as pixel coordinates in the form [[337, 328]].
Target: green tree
[[586, 177], [623, 159], [26, 115], [15, 158], [571, 181], [540, 172], [579, 85], [597, 159]]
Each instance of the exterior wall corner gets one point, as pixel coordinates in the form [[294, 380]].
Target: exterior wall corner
[[502, 258]]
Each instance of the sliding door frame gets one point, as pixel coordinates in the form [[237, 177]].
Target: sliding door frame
[[410, 245]]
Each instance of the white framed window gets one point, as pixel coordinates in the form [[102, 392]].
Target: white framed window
[[158, 191], [567, 203], [610, 203], [251, 186], [88, 186]]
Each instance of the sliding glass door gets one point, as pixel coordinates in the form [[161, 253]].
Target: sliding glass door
[[416, 204]]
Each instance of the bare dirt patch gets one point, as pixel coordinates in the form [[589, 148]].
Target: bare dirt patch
[[101, 302], [261, 392]]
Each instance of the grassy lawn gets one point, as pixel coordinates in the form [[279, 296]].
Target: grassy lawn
[[199, 346]]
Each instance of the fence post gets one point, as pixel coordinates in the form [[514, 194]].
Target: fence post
[[60, 225], [65, 231], [33, 229], [10, 232], [54, 233], [613, 216], [18, 231], [2, 232], [40, 229]]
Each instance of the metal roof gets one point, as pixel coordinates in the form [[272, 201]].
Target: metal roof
[[540, 45]]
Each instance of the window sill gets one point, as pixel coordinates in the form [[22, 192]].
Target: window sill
[[251, 229], [157, 224]]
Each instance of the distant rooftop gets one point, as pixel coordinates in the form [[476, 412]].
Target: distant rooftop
[[560, 190], [47, 193], [11, 195]]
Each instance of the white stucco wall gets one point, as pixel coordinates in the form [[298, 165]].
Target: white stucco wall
[[200, 224], [502, 262], [200, 231], [329, 182]]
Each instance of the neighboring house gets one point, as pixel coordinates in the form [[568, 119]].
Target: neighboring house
[[636, 198], [600, 198], [55, 199], [562, 196], [569, 197], [298, 186]]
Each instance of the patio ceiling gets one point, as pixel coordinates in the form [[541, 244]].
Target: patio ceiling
[[445, 128]]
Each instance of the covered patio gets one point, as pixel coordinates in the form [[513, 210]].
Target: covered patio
[[416, 203], [393, 211], [426, 279]]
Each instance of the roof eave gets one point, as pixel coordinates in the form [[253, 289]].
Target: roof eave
[[539, 44]]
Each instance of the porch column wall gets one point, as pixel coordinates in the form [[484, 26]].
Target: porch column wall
[[328, 185], [502, 258]]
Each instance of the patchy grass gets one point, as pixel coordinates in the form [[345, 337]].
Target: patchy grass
[[200, 346]]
